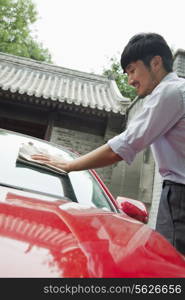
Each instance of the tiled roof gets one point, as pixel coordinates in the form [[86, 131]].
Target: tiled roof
[[40, 80], [179, 62]]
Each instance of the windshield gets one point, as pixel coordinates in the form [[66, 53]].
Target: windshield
[[76, 186]]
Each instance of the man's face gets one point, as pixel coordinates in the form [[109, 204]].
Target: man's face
[[143, 78]]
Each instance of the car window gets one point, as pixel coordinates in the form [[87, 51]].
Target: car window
[[22, 176], [88, 191], [77, 186]]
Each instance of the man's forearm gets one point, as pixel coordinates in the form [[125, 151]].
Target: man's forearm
[[100, 157]]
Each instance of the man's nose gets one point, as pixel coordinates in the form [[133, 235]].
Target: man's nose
[[130, 80]]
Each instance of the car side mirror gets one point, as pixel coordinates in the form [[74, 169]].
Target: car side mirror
[[133, 208]]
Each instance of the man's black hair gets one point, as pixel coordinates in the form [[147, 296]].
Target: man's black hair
[[145, 46]]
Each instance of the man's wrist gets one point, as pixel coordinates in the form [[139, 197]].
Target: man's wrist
[[68, 167]]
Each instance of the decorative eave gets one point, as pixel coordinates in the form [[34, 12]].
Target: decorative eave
[[179, 63], [53, 85]]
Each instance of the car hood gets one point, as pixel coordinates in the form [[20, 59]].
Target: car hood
[[65, 239]]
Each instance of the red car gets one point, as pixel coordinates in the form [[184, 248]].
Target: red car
[[69, 225]]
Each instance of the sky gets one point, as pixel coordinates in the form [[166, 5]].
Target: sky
[[85, 34]]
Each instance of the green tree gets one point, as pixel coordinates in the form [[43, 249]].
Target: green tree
[[16, 17], [115, 72]]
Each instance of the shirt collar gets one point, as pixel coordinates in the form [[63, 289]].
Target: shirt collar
[[170, 76]]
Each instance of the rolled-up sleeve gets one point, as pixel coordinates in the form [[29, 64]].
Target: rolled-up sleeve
[[161, 110]]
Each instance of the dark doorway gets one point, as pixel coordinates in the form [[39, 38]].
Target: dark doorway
[[25, 127]]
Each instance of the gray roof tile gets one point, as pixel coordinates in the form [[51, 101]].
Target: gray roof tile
[[42, 80], [179, 63]]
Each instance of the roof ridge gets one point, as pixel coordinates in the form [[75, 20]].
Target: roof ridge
[[53, 68], [59, 85]]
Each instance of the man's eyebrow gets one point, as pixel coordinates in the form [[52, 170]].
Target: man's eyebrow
[[129, 66]]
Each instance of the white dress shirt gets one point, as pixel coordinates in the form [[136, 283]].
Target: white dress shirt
[[161, 124]]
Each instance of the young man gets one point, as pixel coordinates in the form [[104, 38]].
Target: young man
[[147, 60]]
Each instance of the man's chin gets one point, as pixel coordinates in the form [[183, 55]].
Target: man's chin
[[139, 94], [142, 94]]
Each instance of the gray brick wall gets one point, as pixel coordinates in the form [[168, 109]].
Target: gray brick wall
[[81, 142]]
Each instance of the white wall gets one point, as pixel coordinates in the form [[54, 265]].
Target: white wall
[[157, 186]]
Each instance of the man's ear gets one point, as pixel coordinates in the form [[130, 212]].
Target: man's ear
[[156, 63]]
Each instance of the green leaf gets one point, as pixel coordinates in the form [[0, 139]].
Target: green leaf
[[115, 72], [15, 34]]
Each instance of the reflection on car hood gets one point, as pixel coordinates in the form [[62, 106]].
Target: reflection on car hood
[[65, 239]]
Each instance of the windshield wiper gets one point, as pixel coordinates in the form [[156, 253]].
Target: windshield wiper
[[30, 190]]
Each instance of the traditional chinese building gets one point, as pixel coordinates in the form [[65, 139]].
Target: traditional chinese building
[[76, 109]]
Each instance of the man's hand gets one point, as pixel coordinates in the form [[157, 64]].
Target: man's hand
[[52, 161]]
